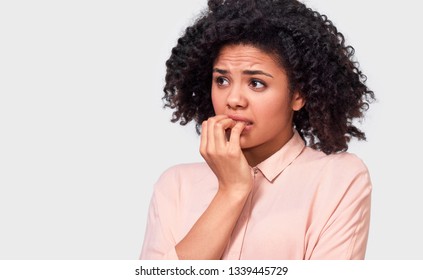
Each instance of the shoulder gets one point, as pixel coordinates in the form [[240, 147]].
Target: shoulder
[[186, 170], [347, 161], [334, 170], [343, 161], [186, 175]]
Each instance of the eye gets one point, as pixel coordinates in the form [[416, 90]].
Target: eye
[[257, 84], [222, 81]]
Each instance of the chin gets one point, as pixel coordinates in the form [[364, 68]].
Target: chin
[[245, 145]]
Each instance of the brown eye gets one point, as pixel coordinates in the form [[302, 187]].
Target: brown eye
[[222, 81], [257, 84]]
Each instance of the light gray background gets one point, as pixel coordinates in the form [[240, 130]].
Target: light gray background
[[83, 136]]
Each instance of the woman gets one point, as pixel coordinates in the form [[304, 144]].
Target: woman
[[274, 91]]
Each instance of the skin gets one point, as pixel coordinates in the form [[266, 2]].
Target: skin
[[254, 111], [250, 85]]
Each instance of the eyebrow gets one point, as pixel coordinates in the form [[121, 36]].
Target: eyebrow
[[246, 72]]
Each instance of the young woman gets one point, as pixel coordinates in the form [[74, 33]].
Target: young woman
[[274, 91]]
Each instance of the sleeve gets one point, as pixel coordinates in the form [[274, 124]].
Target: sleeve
[[159, 242], [345, 233]]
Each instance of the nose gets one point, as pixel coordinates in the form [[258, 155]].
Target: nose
[[236, 99]]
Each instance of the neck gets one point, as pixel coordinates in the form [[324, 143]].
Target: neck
[[262, 152]]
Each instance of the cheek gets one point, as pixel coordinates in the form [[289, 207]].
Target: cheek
[[274, 109], [218, 103]]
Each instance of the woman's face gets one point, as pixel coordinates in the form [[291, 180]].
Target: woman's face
[[249, 85]]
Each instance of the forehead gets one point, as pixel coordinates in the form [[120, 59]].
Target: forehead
[[245, 55]]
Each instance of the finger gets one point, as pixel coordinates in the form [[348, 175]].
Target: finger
[[236, 131], [220, 129], [210, 147], [203, 139]]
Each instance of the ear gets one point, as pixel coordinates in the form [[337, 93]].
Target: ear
[[297, 101]]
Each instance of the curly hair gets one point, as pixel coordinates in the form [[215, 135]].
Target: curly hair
[[308, 46]]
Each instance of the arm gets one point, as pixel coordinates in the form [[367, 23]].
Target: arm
[[157, 238], [161, 234], [345, 233], [209, 236]]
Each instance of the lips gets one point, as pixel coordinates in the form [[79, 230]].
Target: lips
[[247, 128], [241, 119]]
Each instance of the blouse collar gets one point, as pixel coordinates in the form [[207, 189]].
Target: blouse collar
[[276, 163]]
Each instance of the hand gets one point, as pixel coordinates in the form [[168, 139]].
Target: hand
[[224, 156]]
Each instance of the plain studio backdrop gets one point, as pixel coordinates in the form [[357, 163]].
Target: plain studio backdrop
[[83, 135]]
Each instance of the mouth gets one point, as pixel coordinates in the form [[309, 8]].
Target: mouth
[[248, 125], [241, 119]]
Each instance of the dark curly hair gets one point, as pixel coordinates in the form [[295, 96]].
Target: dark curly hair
[[309, 47]]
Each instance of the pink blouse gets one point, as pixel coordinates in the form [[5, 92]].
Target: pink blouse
[[304, 205]]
